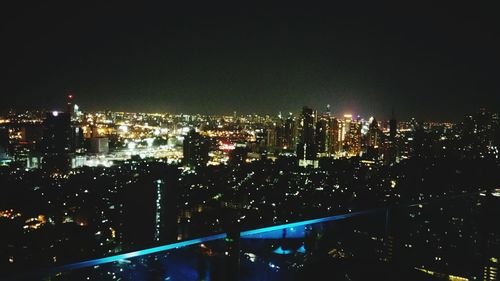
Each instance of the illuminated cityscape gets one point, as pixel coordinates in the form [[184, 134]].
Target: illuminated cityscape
[[87, 181], [181, 143]]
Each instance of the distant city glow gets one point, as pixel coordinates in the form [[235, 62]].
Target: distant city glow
[[131, 145], [227, 146]]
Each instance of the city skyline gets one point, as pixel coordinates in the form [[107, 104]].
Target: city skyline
[[236, 141], [279, 114], [214, 59]]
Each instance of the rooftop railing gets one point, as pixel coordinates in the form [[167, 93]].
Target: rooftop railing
[[456, 238]]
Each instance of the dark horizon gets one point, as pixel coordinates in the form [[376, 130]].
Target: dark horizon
[[431, 63]]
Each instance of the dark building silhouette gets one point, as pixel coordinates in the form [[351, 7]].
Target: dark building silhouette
[[307, 120], [151, 206], [390, 149], [306, 147], [4, 143], [195, 149], [99, 145], [238, 156], [32, 134], [321, 135], [280, 134], [393, 127], [286, 133], [57, 142], [69, 103], [373, 141], [60, 140], [271, 137], [374, 134], [57, 134]]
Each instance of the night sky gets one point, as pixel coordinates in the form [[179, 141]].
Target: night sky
[[430, 62]]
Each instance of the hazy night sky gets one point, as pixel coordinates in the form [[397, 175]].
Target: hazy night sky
[[425, 61]]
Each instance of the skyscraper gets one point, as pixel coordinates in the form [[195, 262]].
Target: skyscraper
[[392, 127], [69, 103], [306, 147], [390, 149], [352, 142], [374, 134], [151, 205], [335, 135], [57, 142], [289, 132], [4, 142], [195, 149], [373, 141], [321, 136], [57, 133], [306, 126], [271, 137]]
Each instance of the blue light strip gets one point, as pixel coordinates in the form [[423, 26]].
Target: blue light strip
[[307, 222], [139, 253], [182, 244]]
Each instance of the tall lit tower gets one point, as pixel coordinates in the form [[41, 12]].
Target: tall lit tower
[[195, 149], [392, 126], [57, 133], [335, 135], [307, 119], [306, 147], [289, 133], [352, 141], [374, 134], [70, 95]]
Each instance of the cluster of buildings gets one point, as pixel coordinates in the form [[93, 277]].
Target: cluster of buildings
[[59, 141], [104, 175], [313, 135]]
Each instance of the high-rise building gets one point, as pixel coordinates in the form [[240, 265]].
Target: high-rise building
[[32, 134], [151, 205], [99, 145], [4, 142], [336, 137], [195, 149], [306, 147], [279, 131], [69, 102], [57, 133], [322, 136], [271, 137], [373, 140], [374, 134], [306, 125], [346, 126], [285, 133], [57, 142], [289, 132], [390, 148], [393, 126], [352, 142]]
